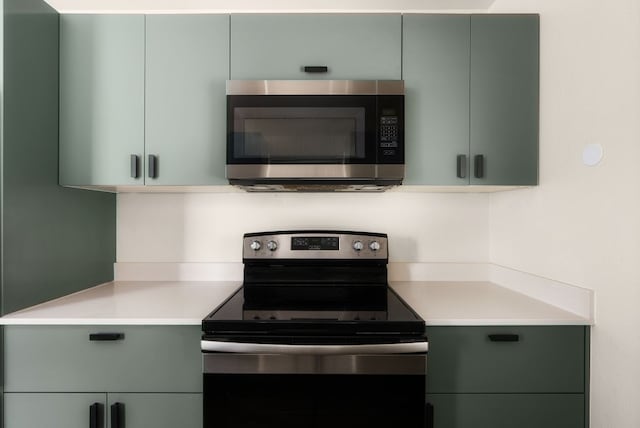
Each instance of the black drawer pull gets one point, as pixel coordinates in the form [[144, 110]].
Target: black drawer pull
[[95, 415], [504, 337], [316, 69], [135, 166], [152, 166], [106, 336], [478, 166], [117, 415], [461, 166], [428, 415]]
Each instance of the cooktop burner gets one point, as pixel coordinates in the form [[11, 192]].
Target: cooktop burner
[[233, 317]]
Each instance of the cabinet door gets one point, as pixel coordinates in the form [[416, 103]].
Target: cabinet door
[[156, 410], [508, 410], [101, 98], [505, 359], [504, 98], [351, 46], [435, 63], [141, 359], [53, 410], [187, 65]]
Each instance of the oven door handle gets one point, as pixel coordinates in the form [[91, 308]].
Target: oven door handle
[[271, 348]]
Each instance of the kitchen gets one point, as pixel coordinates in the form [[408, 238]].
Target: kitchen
[[578, 227]]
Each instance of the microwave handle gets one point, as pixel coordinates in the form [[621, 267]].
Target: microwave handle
[[315, 69]]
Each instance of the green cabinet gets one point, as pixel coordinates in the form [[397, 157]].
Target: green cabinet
[[151, 374], [142, 99], [53, 410], [351, 46], [508, 410], [508, 376], [187, 65], [471, 99], [143, 359], [74, 410], [435, 64], [101, 99], [504, 92]]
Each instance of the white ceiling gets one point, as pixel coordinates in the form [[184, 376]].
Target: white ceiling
[[225, 6]]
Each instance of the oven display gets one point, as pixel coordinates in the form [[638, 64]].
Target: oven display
[[315, 243]]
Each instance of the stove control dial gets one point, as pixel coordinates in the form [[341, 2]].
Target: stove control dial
[[272, 245], [374, 245], [256, 245], [358, 245]]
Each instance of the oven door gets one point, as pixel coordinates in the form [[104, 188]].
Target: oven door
[[338, 386]]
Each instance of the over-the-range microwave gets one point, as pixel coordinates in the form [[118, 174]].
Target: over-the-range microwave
[[315, 135]]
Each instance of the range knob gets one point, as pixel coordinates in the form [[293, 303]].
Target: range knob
[[272, 245], [255, 245], [358, 245], [374, 245]]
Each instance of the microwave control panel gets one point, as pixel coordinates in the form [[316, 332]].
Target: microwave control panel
[[389, 131]]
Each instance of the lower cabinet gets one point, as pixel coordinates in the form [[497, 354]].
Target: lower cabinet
[[507, 410], [113, 410], [102, 376], [51, 410], [508, 376]]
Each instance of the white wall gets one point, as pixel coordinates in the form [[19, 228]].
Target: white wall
[[209, 227], [582, 224]]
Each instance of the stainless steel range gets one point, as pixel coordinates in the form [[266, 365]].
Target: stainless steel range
[[314, 338]]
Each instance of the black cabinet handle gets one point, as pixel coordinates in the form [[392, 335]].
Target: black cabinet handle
[[428, 415], [504, 337], [117, 415], [315, 69], [153, 166], [461, 166], [95, 415], [135, 166], [478, 166], [106, 336]]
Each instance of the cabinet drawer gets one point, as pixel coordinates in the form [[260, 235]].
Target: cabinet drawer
[[543, 359], [508, 410], [52, 410], [351, 46], [62, 358]]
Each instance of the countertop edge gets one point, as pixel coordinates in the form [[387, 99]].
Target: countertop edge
[[548, 314]]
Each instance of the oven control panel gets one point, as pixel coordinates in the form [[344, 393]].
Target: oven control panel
[[315, 245]]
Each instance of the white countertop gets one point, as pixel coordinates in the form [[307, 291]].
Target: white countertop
[[152, 302], [480, 303], [171, 303]]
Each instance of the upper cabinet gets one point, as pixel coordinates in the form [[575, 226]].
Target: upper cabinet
[[187, 65], [348, 46], [504, 93], [143, 104], [142, 99], [435, 65], [471, 99], [101, 99]]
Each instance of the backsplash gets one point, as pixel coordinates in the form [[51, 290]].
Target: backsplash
[[208, 227]]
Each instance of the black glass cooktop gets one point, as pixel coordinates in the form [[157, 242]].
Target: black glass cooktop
[[385, 315]]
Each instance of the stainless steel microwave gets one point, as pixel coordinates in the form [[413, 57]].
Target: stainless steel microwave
[[315, 134]]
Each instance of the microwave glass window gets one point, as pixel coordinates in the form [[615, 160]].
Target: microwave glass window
[[313, 134]]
